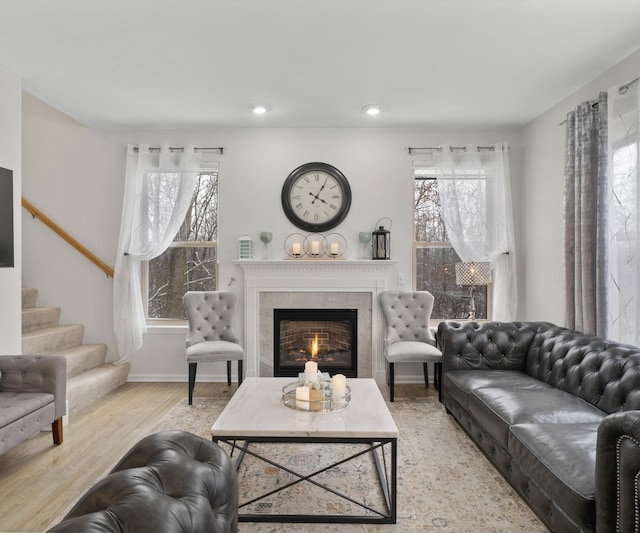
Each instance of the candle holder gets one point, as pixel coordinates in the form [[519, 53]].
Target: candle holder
[[336, 245], [315, 246], [295, 245], [324, 404]]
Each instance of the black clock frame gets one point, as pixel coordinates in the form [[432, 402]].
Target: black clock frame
[[290, 212]]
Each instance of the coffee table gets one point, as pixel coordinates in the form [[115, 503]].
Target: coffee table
[[256, 414]]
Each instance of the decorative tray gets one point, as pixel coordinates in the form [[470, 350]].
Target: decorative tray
[[320, 400]]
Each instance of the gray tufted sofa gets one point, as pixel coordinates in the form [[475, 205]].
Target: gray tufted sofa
[[169, 482], [33, 394], [556, 411]]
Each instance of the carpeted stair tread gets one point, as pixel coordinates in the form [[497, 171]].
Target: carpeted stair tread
[[48, 340], [29, 297], [87, 387], [83, 358], [34, 318]]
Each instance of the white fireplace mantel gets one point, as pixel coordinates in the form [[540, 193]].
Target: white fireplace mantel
[[308, 275]]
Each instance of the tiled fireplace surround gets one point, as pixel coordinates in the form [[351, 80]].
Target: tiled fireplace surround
[[309, 284]]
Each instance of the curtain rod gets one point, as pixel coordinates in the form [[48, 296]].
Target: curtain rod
[[412, 149], [220, 149], [622, 90], [625, 87]]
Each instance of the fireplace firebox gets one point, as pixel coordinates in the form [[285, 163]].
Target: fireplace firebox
[[327, 336]]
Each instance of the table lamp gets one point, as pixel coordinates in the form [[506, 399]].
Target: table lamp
[[473, 274]]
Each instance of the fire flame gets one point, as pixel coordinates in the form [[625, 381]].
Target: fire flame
[[314, 347]]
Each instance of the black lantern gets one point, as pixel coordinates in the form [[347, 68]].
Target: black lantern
[[381, 243]]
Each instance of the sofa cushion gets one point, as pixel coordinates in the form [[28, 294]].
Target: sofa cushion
[[501, 407], [460, 383], [562, 459], [16, 405]]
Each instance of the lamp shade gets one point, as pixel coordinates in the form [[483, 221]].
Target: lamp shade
[[473, 273]]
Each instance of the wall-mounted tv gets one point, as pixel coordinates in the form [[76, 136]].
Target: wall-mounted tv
[[6, 218]]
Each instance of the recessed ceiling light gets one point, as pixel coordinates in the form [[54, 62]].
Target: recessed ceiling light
[[259, 109], [372, 109]]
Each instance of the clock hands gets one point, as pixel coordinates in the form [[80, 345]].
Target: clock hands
[[317, 196]]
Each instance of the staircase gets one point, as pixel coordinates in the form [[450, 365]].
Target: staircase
[[88, 376]]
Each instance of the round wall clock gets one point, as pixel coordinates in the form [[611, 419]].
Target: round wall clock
[[316, 197]]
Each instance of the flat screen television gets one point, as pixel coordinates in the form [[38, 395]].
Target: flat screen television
[[6, 218]]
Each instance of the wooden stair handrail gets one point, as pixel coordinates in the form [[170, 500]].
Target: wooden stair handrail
[[36, 213]]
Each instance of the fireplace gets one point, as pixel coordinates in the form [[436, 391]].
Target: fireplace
[[327, 336]]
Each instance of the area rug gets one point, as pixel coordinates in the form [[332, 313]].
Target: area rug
[[445, 484]]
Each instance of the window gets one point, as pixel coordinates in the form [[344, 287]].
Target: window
[[191, 261], [435, 258]]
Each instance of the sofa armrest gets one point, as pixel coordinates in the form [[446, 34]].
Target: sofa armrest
[[36, 373], [618, 473], [484, 345]]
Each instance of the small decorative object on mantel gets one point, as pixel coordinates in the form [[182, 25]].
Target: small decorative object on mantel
[[295, 245], [365, 238], [245, 247], [266, 237], [315, 246], [316, 391], [381, 247], [336, 245]]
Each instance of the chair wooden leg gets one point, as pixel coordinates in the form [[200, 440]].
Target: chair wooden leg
[[425, 369], [193, 367], [239, 372], [391, 382], [229, 373], [56, 429]]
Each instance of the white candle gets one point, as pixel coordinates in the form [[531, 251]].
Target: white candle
[[335, 248], [295, 248], [302, 397], [311, 371], [315, 247], [338, 386]]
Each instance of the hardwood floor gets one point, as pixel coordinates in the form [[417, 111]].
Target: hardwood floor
[[39, 481]]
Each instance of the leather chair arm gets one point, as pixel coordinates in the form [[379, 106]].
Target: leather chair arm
[[618, 473], [36, 373]]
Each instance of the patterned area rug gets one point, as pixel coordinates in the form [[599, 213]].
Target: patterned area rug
[[445, 484]]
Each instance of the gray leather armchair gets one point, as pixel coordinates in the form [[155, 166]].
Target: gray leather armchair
[[169, 482], [211, 337], [33, 394], [408, 337]]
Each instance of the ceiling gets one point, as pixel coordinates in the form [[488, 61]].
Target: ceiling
[[316, 63]]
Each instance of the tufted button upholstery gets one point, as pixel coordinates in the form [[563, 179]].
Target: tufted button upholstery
[[172, 481], [211, 337], [408, 336]]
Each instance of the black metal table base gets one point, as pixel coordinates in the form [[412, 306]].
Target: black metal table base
[[378, 448]]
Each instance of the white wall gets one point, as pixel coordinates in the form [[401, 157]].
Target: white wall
[[82, 192], [542, 198], [10, 152]]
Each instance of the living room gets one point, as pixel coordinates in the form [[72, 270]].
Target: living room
[[75, 174]]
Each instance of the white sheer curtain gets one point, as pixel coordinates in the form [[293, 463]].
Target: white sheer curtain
[[158, 190], [475, 195], [624, 212]]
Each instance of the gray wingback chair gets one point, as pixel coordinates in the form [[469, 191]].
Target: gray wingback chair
[[33, 395], [211, 337], [408, 337]]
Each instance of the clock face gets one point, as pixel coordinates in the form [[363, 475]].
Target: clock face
[[316, 197]]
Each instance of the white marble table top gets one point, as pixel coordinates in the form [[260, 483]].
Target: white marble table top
[[256, 410]]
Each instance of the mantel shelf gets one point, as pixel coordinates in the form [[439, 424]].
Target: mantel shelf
[[329, 263]]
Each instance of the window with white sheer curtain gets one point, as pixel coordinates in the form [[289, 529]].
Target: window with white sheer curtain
[[476, 206], [623, 214], [159, 188]]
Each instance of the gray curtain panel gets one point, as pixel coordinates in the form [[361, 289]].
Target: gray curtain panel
[[585, 217]]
